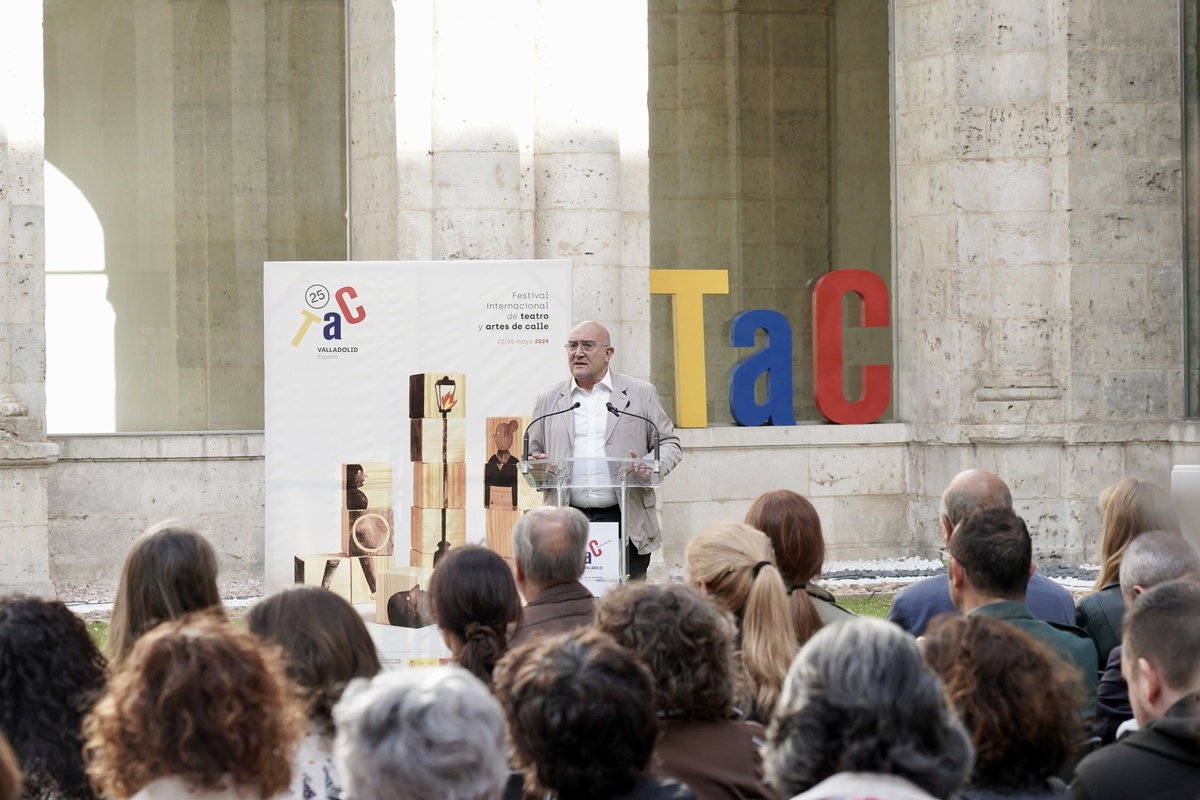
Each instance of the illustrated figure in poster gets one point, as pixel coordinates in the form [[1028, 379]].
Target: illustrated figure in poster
[[500, 472]]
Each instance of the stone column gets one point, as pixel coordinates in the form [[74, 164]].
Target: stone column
[[1038, 250], [512, 130], [25, 455]]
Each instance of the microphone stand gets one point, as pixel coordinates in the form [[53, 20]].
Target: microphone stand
[[653, 439]]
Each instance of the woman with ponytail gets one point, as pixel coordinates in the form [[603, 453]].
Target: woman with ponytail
[[792, 525], [732, 563], [474, 599]]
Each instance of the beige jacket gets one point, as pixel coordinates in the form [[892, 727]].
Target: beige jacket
[[556, 438]]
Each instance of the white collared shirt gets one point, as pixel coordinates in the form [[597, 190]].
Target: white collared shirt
[[591, 428]]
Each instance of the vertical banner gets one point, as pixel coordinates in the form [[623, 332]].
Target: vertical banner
[[396, 395]]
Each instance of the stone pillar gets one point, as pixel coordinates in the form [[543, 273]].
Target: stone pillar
[[1038, 251], [25, 455], [509, 130]]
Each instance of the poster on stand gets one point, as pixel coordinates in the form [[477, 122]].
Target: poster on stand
[[397, 394]]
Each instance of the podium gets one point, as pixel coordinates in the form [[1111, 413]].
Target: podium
[[555, 478]]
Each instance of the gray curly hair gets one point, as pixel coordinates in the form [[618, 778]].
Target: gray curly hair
[[859, 698], [421, 733]]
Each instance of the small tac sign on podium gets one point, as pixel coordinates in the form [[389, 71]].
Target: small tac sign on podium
[[601, 570]]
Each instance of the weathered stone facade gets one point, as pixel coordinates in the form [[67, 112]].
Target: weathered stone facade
[[1036, 247]]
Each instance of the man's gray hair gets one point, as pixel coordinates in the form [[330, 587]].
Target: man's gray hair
[[859, 698], [1156, 557], [420, 733], [550, 544]]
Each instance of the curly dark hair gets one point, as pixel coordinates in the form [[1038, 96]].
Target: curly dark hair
[[324, 641], [580, 714], [50, 675], [199, 700], [474, 597], [685, 642], [1016, 697]]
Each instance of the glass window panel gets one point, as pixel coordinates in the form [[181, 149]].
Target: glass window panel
[[770, 157]]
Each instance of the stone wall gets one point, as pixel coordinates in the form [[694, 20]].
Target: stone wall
[[105, 490]]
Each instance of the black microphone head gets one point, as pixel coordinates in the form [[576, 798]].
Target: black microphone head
[[612, 409], [577, 404]]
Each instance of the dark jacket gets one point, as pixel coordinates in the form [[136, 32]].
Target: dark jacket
[[556, 609], [1100, 614], [919, 603], [1070, 643], [1112, 700], [717, 760], [826, 604], [1159, 762], [1054, 789]]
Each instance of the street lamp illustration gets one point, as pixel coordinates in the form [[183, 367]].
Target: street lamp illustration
[[446, 401]]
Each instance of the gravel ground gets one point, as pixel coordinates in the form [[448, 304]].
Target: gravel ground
[[843, 578]]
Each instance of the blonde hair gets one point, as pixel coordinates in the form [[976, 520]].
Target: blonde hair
[[170, 571], [735, 564], [1129, 508]]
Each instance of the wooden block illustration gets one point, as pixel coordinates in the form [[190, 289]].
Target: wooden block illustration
[[500, 523], [401, 600], [363, 576], [425, 390], [427, 485], [500, 475], [367, 484], [369, 532], [425, 440], [419, 559], [328, 570], [426, 527]]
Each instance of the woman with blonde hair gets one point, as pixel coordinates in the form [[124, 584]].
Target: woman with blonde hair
[[1128, 508], [170, 571], [733, 564], [794, 528]]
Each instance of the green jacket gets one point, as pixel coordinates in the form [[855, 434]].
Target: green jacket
[[1072, 644]]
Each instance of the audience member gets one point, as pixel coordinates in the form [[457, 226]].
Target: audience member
[[170, 571], [50, 675], [1017, 699], [990, 557], [198, 709], [1128, 508], [1161, 661], [794, 528], [10, 773], [474, 600], [325, 646], [1150, 559], [581, 719], [550, 550], [732, 563], [862, 716], [970, 491], [419, 734], [687, 645]]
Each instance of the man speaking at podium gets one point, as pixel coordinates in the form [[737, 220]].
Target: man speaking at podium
[[605, 415]]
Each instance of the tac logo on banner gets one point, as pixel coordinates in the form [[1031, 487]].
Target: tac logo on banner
[[350, 312]]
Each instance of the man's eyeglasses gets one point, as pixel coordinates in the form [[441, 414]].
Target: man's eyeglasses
[[586, 347], [947, 557]]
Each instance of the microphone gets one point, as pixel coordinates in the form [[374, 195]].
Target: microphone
[[525, 445], [653, 439]]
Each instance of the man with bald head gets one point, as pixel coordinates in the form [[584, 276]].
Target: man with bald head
[[971, 491], [591, 431]]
